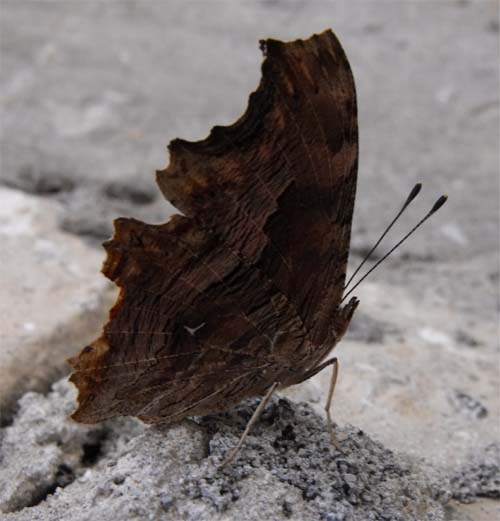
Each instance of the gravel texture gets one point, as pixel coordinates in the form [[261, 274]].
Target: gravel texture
[[480, 477], [124, 470]]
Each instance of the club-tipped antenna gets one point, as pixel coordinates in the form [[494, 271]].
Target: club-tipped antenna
[[434, 209], [409, 199]]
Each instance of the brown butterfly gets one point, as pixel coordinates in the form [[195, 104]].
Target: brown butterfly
[[241, 294]]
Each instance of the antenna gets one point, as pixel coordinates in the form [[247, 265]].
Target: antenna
[[434, 209], [409, 199]]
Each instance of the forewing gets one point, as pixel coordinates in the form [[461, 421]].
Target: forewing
[[279, 184]]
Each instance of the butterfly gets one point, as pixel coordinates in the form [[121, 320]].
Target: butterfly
[[240, 293]]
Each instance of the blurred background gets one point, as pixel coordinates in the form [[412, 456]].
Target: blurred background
[[92, 92]]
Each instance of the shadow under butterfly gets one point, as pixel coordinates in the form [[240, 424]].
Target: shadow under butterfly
[[243, 293]]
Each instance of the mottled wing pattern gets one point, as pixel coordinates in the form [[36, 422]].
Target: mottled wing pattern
[[193, 324], [216, 304]]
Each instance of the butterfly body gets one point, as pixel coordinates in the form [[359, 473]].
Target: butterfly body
[[242, 291]]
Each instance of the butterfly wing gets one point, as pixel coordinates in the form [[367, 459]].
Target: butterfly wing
[[190, 319], [216, 303], [279, 185]]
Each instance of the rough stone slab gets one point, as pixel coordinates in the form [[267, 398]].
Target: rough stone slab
[[53, 298], [419, 364], [288, 469]]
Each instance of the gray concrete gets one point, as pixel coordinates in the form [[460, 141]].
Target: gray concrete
[[288, 470], [51, 298], [91, 94]]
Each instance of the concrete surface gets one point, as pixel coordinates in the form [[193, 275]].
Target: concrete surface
[[51, 298], [288, 469], [91, 94]]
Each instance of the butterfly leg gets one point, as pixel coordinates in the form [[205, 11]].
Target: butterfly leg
[[250, 424], [333, 381]]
